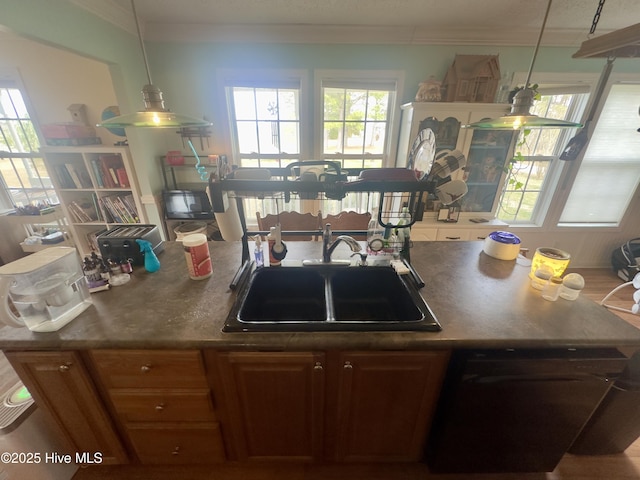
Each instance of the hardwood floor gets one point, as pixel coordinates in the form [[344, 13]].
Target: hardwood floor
[[625, 466]]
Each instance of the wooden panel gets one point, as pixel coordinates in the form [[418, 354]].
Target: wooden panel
[[60, 384], [150, 368], [274, 403], [163, 405], [385, 404], [177, 443]]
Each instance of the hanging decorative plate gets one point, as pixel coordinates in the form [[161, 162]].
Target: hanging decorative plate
[[422, 153]]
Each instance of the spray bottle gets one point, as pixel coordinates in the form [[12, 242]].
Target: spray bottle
[[151, 262], [257, 252]]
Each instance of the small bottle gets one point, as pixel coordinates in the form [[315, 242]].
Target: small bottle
[[572, 285], [541, 277], [196, 252], [552, 290], [257, 252]]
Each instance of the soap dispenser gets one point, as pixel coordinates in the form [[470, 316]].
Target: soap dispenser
[[277, 248]]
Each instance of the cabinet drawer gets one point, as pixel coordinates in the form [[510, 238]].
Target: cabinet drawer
[[419, 234], [177, 444], [151, 368], [163, 406], [452, 234]]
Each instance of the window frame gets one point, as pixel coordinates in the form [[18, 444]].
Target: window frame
[[262, 78], [614, 79], [364, 78], [547, 210], [10, 79]]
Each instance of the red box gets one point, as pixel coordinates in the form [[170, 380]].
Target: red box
[[61, 130]]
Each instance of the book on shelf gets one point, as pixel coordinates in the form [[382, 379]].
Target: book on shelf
[[108, 166], [84, 209], [120, 208], [97, 173], [79, 175]]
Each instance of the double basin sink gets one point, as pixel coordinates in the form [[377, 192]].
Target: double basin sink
[[329, 298]]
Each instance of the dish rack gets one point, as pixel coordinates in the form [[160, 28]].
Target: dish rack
[[398, 197]]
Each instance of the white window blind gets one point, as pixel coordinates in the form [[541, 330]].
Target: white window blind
[[610, 170]]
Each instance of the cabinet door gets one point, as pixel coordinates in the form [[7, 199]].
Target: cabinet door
[[274, 403], [61, 386], [385, 404]]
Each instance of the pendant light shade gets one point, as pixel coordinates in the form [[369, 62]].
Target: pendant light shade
[[154, 115], [520, 115]]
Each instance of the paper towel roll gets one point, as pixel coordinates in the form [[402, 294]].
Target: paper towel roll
[[229, 222]]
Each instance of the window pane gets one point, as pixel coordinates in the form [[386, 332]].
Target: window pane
[[266, 123], [610, 168], [528, 179]]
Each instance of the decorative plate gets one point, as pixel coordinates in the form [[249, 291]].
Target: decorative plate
[[422, 153]]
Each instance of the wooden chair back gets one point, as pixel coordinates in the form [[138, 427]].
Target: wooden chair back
[[349, 221], [291, 221]]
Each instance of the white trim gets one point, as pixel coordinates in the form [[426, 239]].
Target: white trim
[[270, 77]]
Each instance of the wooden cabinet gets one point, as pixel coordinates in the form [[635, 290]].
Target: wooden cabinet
[[384, 405], [344, 406], [274, 403], [486, 151], [60, 384], [163, 402], [97, 188]]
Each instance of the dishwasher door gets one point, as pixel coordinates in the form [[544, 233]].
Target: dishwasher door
[[516, 410]]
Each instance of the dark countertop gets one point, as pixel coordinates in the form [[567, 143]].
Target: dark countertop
[[479, 301]]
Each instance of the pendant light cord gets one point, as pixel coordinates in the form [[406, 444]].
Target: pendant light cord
[[144, 52], [535, 52]]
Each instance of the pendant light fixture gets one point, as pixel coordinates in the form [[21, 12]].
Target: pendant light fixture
[[154, 115], [520, 116]]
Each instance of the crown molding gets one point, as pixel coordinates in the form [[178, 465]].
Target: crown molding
[[358, 34]]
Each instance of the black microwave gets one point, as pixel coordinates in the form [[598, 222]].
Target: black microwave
[[187, 204]]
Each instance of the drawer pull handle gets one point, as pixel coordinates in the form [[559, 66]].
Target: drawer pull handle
[[318, 366], [452, 238], [160, 407], [145, 368], [347, 366], [64, 368], [176, 451]]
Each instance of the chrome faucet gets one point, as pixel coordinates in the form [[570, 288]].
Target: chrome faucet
[[328, 246]]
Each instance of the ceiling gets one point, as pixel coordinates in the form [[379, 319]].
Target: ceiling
[[437, 22]]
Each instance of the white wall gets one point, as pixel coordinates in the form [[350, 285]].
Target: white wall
[[55, 79]]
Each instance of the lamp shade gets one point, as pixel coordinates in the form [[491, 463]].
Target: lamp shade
[[520, 116], [157, 119]]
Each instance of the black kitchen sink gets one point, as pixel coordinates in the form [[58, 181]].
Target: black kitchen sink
[[329, 298], [372, 295]]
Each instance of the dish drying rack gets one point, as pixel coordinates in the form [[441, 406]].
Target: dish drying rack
[[400, 188]]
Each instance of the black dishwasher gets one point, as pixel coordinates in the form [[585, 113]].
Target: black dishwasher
[[516, 410]]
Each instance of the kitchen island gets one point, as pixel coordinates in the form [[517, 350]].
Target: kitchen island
[[146, 374], [480, 302]]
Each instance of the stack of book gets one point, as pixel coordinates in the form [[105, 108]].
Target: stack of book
[[72, 175], [110, 172], [119, 209], [84, 210]]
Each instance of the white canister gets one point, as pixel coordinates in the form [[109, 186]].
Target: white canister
[[196, 252], [502, 245]]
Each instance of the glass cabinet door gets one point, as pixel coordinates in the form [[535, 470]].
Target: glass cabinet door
[[484, 174]]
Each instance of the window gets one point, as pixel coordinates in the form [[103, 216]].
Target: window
[[610, 169], [351, 119], [536, 170], [355, 115], [24, 179], [265, 114]]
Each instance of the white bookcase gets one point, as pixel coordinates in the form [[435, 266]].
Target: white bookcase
[[97, 188]]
